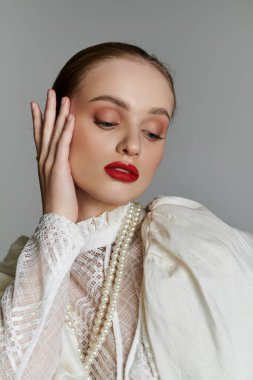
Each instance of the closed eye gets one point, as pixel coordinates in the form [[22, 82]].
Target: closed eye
[[108, 125], [153, 136], [104, 124]]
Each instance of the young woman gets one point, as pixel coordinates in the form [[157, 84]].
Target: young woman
[[105, 288]]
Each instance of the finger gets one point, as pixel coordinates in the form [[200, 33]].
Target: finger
[[37, 128], [49, 122], [60, 123], [62, 152], [50, 107], [37, 125]]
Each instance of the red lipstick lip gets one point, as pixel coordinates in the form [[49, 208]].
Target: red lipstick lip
[[118, 164]]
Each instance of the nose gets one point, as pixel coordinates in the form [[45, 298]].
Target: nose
[[130, 144]]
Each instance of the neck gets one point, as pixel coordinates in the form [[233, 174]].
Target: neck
[[91, 207]]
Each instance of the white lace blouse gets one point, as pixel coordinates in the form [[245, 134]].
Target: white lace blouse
[[185, 310]]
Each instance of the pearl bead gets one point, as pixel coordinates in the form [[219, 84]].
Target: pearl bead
[[95, 329], [118, 279], [101, 338], [95, 352], [124, 233], [100, 314], [96, 323], [121, 265], [110, 315], [106, 293], [108, 323], [112, 271], [114, 261], [115, 294], [115, 272]]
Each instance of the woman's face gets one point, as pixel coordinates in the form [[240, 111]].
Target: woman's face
[[106, 132]]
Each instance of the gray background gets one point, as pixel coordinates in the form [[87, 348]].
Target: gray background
[[208, 45]]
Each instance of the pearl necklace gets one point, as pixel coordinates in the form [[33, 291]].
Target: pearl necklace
[[110, 291]]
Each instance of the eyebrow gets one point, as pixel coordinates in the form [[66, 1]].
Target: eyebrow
[[120, 103]]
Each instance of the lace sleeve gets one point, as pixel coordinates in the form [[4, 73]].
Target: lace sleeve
[[33, 304]]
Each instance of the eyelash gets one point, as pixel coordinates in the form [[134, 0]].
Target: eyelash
[[102, 124]]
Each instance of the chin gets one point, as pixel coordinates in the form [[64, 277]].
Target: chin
[[114, 193], [117, 199]]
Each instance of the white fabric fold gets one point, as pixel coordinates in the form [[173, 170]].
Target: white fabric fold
[[198, 292]]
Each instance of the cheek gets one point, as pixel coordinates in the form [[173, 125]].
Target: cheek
[[87, 148], [82, 140], [152, 160]]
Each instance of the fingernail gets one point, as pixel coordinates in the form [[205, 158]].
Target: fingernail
[[63, 101], [33, 106], [50, 93]]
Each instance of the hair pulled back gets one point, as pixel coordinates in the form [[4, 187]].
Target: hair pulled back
[[71, 76]]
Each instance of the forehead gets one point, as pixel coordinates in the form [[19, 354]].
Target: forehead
[[138, 83]]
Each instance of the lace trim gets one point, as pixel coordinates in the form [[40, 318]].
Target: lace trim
[[104, 221], [143, 363]]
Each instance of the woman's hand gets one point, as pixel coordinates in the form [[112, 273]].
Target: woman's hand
[[52, 139]]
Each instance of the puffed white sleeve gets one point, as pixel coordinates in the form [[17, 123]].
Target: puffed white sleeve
[[198, 292], [33, 301]]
